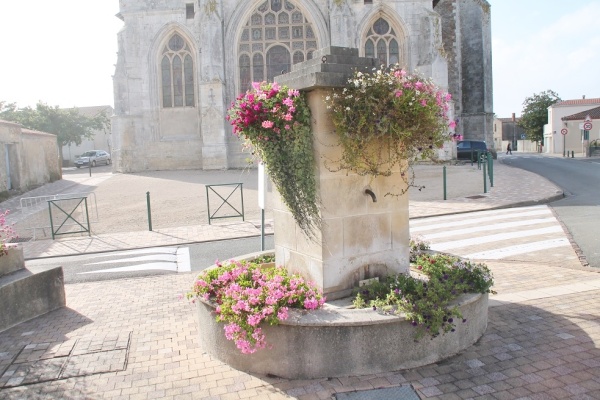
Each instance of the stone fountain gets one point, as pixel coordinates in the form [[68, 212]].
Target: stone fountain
[[364, 235]]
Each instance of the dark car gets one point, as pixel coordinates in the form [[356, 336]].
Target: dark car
[[93, 157], [467, 150]]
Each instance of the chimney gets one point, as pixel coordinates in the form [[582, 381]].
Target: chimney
[[583, 97], [513, 117]]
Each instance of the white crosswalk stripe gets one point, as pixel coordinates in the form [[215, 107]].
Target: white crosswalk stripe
[[174, 259], [527, 233]]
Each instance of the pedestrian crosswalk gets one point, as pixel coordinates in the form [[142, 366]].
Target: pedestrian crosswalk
[[526, 233]]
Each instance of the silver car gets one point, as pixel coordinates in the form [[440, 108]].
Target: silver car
[[92, 157]]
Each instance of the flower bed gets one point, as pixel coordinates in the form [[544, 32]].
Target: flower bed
[[341, 341], [246, 294]]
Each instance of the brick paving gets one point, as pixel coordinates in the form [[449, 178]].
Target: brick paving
[[136, 339]]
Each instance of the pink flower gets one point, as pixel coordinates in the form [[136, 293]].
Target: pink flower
[[287, 127], [275, 86], [293, 93], [288, 101], [311, 303], [398, 93], [288, 117], [267, 124], [424, 103], [254, 319], [256, 85], [282, 314], [452, 124]]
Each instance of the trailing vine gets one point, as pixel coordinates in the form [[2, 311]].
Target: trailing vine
[[275, 122], [387, 119]]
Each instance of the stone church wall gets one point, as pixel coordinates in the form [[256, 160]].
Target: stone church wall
[[149, 136]]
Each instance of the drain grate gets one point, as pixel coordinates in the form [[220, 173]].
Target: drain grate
[[478, 196], [405, 392], [19, 240]]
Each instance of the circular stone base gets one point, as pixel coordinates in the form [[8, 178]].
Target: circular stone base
[[335, 342]]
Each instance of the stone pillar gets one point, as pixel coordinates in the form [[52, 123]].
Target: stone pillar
[[360, 238], [212, 87]]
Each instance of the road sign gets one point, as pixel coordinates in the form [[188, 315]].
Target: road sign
[[564, 131], [587, 119], [587, 126], [523, 136]]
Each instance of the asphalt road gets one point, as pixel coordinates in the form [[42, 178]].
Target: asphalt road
[[579, 210], [151, 261]]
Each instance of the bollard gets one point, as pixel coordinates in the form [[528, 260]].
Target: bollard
[[484, 180], [471, 157], [573, 154], [491, 169], [90, 167], [444, 175], [149, 212], [478, 159]]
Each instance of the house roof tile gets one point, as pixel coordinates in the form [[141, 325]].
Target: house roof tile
[[577, 102], [594, 113]]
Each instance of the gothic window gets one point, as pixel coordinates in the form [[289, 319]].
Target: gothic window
[[265, 47], [382, 43], [177, 74], [278, 61]]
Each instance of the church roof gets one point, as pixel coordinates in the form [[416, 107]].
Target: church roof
[[577, 102], [594, 113]]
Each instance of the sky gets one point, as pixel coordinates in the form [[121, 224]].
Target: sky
[[63, 52]]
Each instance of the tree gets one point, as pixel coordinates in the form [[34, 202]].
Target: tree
[[535, 114], [69, 125]]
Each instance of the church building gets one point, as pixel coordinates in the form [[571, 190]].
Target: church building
[[182, 62]]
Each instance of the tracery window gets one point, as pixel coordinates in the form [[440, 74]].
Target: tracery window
[[382, 43], [177, 73], [276, 35]]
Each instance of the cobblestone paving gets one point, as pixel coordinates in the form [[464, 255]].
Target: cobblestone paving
[[545, 347]]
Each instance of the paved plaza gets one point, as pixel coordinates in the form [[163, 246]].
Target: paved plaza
[[137, 339]]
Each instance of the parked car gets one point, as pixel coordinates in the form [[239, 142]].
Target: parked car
[[94, 157], [465, 149]]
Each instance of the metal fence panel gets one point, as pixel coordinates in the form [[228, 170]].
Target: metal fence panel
[[35, 212]]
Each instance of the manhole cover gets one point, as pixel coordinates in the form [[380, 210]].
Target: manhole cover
[[475, 197], [405, 392]]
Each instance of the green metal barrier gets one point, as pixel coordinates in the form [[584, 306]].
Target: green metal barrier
[[225, 201], [69, 216]]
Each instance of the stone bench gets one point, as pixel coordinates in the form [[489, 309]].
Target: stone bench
[[25, 295]]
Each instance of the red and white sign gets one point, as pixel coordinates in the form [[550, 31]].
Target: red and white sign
[[564, 131], [587, 126]]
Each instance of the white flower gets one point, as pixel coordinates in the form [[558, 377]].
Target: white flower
[[327, 98], [347, 108]]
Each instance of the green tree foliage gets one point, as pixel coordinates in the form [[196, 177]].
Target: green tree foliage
[[535, 114], [69, 125]]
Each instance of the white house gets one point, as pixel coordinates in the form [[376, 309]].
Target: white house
[[559, 134]]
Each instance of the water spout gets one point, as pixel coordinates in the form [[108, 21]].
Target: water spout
[[370, 193]]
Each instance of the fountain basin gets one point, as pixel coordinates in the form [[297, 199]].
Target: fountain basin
[[337, 341]]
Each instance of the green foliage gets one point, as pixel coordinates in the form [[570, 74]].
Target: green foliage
[[275, 121], [386, 119], [425, 301], [69, 125], [535, 114]]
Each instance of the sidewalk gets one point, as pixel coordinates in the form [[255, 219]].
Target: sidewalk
[[512, 187], [134, 339]]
